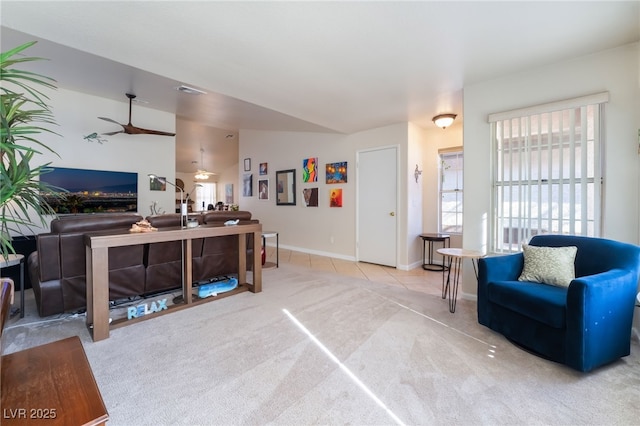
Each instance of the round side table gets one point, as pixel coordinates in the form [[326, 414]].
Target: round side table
[[455, 256], [431, 238], [13, 260]]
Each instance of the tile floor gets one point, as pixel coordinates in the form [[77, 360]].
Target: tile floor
[[416, 279]]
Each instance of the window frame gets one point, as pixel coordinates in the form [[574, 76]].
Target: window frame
[[458, 152]]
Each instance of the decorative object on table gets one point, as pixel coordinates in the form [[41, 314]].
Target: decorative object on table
[[263, 169], [192, 223], [263, 189], [247, 164], [179, 185], [129, 128], [286, 187], [155, 209], [310, 196], [335, 197], [584, 325], [157, 183], [142, 226], [417, 173], [25, 113], [336, 172], [228, 193], [310, 169], [234, 207], [247, 185], [94, 137]]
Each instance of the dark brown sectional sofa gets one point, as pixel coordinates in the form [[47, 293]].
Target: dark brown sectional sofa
[[57, 268]]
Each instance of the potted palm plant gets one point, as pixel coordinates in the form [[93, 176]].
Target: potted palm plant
[[25, 115]]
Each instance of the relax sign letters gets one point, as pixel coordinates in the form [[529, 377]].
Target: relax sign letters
[[145, 309]]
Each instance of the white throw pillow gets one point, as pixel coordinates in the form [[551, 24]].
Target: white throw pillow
[[549, 265]]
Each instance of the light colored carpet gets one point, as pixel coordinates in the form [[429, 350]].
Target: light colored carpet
[[321, 348]]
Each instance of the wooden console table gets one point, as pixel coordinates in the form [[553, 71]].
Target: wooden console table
[[97, 255]]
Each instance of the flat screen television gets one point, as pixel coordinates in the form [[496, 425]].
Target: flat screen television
[[90, 191]]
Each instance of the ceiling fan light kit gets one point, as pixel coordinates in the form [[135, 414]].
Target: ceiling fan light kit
[[129, 128], [202, 174]]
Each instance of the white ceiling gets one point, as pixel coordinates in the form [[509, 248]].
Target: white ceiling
[[305, 66]]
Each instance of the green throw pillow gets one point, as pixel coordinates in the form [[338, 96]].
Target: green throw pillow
[[549, 265]]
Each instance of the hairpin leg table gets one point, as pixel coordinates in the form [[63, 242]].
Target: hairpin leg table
[[455, 256]]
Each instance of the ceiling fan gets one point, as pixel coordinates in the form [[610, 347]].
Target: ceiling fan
[[202, 174], [130, 129]]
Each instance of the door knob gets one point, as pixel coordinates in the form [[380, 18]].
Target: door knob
[[392, 214]]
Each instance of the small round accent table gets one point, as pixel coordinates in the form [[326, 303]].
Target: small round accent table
[[13, 260], [431, 238], [270, 234], [455, 256]]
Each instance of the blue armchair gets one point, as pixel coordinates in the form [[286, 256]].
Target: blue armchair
[[584, 325]]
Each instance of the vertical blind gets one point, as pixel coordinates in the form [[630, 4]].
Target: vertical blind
[[547, 175]]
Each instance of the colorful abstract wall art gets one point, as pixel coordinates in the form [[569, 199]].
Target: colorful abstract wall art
[[310, 197], [337, 172], [310, 169], [335, 197]]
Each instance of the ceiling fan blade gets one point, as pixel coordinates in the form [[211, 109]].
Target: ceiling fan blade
[[113, 133], [131, 129], [110, 120]]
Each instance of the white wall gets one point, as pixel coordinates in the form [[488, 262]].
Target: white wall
[[615, 71], [320, 230], [77, 116]]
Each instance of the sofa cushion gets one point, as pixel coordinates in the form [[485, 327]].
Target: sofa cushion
[[549, 265], [543, 303]]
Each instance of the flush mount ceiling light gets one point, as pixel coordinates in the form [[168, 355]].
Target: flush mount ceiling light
[[444, 120], [190, 90]]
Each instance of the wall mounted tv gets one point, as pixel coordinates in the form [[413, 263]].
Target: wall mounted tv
[[91, 191]]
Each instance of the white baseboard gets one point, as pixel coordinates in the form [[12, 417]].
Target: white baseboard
[[316, 252]]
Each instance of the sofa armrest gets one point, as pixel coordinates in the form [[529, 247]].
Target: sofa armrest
[[599, 317], [495, 268], [500, 268]]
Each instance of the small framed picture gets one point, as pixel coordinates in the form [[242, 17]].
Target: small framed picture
[[247, 164], [263, 189], [263, 169]]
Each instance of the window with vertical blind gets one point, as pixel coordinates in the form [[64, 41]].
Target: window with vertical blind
[[451, 166], [547, 173]]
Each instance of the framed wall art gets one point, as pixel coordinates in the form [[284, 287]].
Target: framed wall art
[[286, 187], [310, 169], [247, 185], [336, 172], [263, 189]]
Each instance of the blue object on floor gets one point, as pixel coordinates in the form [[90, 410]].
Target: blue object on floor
[[217, 287]]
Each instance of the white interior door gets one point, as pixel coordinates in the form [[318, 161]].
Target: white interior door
[[377, 206]]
